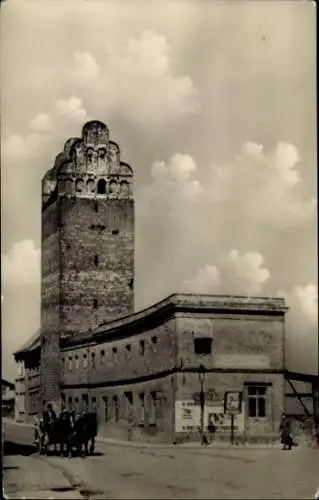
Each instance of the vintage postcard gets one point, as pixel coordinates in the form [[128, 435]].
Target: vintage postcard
[[159, 249]]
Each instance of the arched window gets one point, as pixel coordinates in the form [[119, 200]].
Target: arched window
[[79, 185], [113, 187], [101, 186], [124, 189], [102, 153], [90, 186]]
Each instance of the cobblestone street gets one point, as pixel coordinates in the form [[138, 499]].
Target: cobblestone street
[[135, 472]]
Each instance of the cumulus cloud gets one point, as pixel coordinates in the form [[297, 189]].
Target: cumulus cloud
[[174, 178], [72, 109], [86, 66], [262, 185], [29, 146], [135, 81], [21, 265], [41, 122], [232, 274]]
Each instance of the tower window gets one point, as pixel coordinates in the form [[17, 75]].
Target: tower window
[[128, 347], [114, 350], [131, 283], [102, 153], [79, 185], [96, 206], [95, 303], [101, 186], [90, 154], [154, 340], [115, 231], [90, 186], [96, 260]]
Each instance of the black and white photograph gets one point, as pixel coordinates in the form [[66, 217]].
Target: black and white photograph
[[159, 293]]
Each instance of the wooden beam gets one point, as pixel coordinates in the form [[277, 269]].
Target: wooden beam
[[299, 399]]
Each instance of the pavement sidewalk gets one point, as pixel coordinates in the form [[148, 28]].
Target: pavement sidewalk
[[191, 445]]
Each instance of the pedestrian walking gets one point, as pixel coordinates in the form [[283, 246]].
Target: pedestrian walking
[[285, 432], [211, 429]]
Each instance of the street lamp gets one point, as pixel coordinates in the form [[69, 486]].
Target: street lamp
[[201, 376]]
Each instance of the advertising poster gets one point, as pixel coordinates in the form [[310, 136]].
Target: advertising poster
[[188, 413]]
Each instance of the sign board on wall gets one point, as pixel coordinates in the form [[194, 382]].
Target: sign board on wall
[[187, 417], [232, 402]]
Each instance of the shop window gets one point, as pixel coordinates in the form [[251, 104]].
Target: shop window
[[142, 409], [142, 347], [152, 410], [76, 404], [93, 403], [85, 401], [129, 397], [203, 345], [257, 401], [106, 409], [116, 408]]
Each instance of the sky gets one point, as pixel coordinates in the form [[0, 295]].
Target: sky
[[213, 105]]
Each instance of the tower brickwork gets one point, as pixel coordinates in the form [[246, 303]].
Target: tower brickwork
[[87, 245]]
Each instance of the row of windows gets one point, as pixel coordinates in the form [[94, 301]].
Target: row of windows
[[141, 407], [90, 186], [74, 362]]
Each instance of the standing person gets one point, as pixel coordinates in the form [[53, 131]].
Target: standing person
[[211, 429], [64, 431], [51, 425], [285, 432], [36, 426]]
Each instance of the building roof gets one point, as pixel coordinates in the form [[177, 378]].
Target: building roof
[[30, 345], [6, 383], [163, 310]]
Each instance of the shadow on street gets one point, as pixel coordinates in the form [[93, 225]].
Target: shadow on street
[[10, 448]]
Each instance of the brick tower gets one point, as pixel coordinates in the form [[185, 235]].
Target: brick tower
[[87, 245]]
